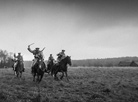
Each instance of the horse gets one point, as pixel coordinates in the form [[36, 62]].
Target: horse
[[38, 70], [61, 67], [49, 66], [18, 69]]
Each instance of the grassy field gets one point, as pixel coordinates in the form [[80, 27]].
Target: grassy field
[[85, 85]]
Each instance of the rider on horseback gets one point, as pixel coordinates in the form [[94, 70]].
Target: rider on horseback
[[50, 62], [50, 59], [61, 55], [37, 55], [19, 59]]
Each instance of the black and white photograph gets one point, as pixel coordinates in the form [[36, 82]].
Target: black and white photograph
[[68, 50]]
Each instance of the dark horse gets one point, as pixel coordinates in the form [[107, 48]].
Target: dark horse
[[38, 70], [19, 69], [49, 66], [61, 67]]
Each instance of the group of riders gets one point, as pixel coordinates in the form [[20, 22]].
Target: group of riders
[[38, 55]]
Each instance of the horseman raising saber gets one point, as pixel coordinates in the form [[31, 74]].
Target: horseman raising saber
[[37, 55]]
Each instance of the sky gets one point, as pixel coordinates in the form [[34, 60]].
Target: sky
[[85, 29]]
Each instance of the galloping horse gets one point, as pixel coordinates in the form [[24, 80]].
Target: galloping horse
[[18, 69], [39, 69], [61, 67]]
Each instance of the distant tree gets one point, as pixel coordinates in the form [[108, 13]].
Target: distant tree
[[5, 58]]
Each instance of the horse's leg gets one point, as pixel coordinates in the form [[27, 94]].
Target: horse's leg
[[14, 72], [55, 75], [34, 74], [20, 74], [62, 75], [38, 78], [52, 71], [66, 75], [17, 73], [41, 77], [48, 70]]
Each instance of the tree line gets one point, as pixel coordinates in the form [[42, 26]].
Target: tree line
[[105, 62], [6, 61], [5, 58]]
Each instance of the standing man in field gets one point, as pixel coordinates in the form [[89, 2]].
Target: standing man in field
[[37, 55]]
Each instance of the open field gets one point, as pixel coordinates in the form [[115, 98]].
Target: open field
[[85, 85]]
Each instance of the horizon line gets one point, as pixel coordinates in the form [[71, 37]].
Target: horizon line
[[96, 58]]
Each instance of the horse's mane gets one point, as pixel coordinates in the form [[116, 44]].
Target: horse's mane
[[63, 60]]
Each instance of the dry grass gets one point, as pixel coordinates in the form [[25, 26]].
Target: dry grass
[[85, 85]]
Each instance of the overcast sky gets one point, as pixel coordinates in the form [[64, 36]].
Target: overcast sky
[[84, 28]]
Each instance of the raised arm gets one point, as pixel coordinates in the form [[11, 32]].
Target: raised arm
[[29, 49], [15, 55]]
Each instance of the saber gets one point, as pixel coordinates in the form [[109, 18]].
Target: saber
[[31, 44], [42, 49]]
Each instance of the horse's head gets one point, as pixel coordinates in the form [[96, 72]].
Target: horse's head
[[41, 64], [68, 58]]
